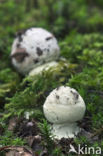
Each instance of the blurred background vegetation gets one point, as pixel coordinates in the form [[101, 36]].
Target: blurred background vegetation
[[59, 16], [78, 26]]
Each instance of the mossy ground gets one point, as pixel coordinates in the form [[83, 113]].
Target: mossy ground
[[78, 25]]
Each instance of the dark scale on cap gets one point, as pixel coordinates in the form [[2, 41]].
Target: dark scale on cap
[[39, 51], [20, 56], [75, 94], [36, 61], [18, 45], [20, 38], [47, 50], [57, 96], [20, 33], [49, 38]]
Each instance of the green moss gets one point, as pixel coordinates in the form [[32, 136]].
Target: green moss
[[77, 47], [34, 90], [9, 81], [8, 139]]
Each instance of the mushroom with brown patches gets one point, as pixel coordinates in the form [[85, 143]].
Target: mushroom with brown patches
[[34, 41]]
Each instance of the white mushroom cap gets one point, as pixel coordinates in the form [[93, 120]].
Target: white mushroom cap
[[63, 107], [32, 48], [64, 104]]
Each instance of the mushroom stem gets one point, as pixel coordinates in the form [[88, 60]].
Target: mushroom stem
[[65, 130]]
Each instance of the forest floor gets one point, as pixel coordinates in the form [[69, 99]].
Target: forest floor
[[78, 26]]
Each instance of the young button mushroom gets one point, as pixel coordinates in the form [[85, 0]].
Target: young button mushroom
[[32, 48], [63, 108], [43, 67]]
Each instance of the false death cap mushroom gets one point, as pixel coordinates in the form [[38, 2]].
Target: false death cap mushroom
[[63, 108], [32, 48]]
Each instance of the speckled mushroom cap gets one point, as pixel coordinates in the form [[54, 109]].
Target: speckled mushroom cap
[[33, 47], [64, 104]]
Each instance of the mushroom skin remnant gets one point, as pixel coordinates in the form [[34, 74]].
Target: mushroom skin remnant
[[63, 108], [32, 48]]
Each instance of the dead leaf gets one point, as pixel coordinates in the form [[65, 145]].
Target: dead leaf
[[12, 123], [18, 151]]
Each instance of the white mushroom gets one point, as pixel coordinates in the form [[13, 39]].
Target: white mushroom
[[42, 68], [32, 48], [53, 66], [64, 107]]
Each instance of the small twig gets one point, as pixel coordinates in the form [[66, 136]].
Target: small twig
[[5, 147]]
